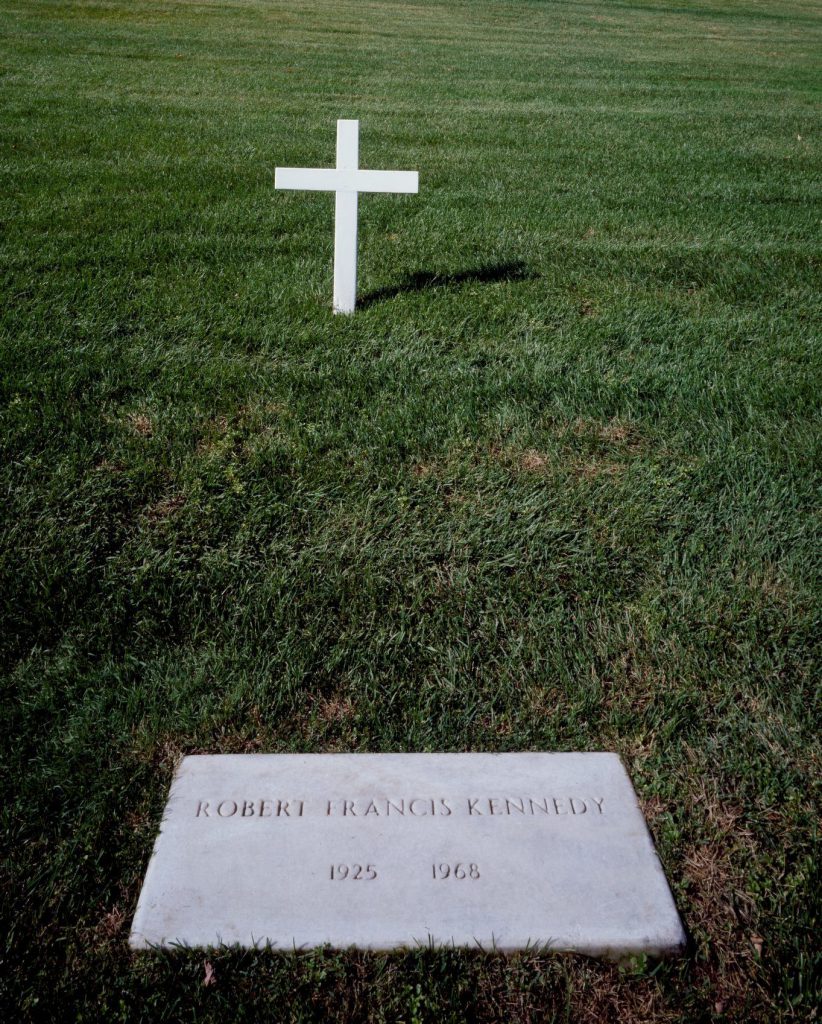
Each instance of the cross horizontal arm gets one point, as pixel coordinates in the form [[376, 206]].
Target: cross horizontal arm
[[386, 181], [332, 179], [310, 179]]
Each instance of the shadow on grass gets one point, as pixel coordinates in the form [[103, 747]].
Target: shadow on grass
[[422, 280]]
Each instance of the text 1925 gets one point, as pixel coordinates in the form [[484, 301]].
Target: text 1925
[[354, 872]]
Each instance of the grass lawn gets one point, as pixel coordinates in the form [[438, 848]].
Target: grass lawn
[[551, 488]]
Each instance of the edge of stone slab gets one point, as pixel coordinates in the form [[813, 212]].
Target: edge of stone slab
[[654, 951]]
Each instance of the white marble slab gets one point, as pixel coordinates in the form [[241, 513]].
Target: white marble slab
[[382, 851]]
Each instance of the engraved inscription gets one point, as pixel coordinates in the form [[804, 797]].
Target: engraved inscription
[[266, 807], [415, 807], [410, 808], [354, 872], [458, 871], [555, 806]]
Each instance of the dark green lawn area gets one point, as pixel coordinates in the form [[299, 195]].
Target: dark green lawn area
[[551, 488]]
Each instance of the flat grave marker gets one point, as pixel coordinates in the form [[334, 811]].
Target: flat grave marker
[[384, 851]]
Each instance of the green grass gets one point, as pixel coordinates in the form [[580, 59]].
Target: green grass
[[551, 488]]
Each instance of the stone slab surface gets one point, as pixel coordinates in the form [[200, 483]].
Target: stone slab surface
[[383, 851]]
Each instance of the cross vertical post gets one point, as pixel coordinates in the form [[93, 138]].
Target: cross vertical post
[[345, 220]]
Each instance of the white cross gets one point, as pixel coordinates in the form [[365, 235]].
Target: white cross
[[347, 180]]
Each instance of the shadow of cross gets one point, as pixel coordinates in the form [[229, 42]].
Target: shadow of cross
[[422, 280], [346, 180]]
